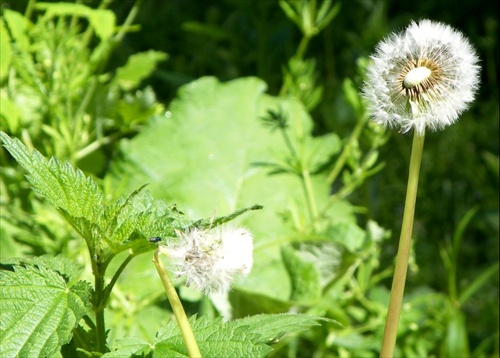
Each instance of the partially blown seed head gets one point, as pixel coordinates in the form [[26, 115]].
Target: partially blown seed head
[[210, 260]]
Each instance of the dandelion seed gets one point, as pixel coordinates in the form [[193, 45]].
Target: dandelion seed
[[424, 77], [210, 260]]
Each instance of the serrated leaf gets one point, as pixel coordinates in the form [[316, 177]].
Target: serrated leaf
[[214, 338], [272, 327], [245, 303], [64, 187], [39, 311], [129, 347], [107, 229], [66, 267], [247, 337]]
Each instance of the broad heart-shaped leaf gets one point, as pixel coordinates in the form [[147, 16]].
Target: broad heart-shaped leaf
[[247, 337], [39, 311], [203, 156]]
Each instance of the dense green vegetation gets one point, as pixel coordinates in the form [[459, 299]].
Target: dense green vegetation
[[221, 105]]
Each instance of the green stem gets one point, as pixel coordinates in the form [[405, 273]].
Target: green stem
[[339, 164], [29, 9], [99, 310], [398, 282], [109, 287], [128, 21], [304, 42], [311, 202], [305, 177], [100, 142], [175, 302]]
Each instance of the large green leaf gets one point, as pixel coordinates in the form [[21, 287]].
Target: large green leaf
[[39, 311], [203, 156]]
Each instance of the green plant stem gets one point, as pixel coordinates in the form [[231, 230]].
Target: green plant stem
[[175, 302], [454, 252], [111, 284], [304, 43], [305, 177], [311, 202], [99, 310], [398, 281], [29, 9], [96, 144], [340, 162]]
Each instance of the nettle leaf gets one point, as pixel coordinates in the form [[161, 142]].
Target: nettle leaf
[[272, 328], [247, 337], [39, 311], [246, 303], [214, 339], [130, 347], [64, 187], [108, 229], [67, 268]]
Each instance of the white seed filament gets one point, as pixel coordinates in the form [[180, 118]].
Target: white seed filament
[[416, 77]]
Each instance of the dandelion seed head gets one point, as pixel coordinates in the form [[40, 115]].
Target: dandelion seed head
[[210, 260], [423, 77]]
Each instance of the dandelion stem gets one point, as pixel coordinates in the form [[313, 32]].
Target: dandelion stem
[[175, 302], [398, 281]]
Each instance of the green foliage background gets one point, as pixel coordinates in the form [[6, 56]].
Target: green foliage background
[[210, 68]]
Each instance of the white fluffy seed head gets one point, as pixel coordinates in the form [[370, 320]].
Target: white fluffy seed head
[[424, 77], [210, 260]]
